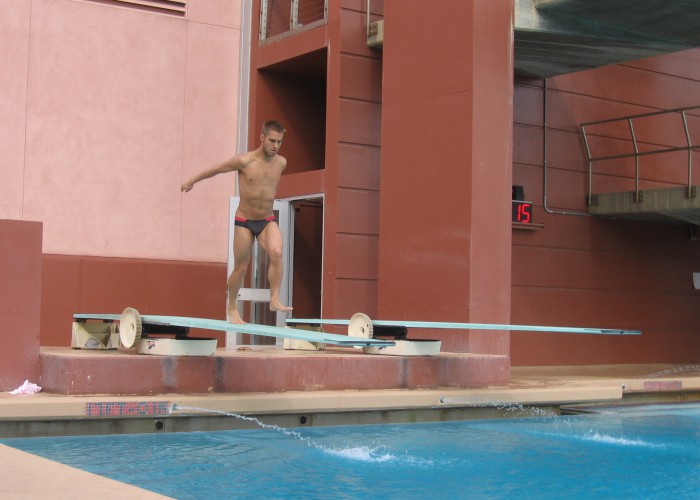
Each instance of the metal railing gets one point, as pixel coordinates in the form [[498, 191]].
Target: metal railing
[[280, 18], [637, 154]]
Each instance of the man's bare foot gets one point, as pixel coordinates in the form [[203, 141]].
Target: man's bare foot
[[277, 306], [233, 316]]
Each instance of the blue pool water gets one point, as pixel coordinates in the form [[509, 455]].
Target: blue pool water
[[650, 453]]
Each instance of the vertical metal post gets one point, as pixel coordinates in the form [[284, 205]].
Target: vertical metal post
[[263, 20], [294, 16], [637, 196], [590, 165], [369, 10], [689, 192]]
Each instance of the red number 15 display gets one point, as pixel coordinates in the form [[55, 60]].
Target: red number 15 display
[[522, 212]]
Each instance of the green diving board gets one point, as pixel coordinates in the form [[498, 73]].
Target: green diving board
[[469, 326]]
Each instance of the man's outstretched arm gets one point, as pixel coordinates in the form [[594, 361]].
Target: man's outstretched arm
[[227, 166]]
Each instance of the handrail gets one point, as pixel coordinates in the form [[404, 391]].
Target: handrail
[[637, 154], [303, 15]]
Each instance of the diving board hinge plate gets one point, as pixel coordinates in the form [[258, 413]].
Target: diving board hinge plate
[[161, 346], [409, 347], [304, 345]]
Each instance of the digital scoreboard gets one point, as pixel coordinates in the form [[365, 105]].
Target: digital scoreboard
[[522, 212]]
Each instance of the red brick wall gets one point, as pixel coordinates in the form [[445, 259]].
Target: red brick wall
[[74, 284], [583, 271], [20, 299]]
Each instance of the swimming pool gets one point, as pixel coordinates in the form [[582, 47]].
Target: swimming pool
[[641, 452]]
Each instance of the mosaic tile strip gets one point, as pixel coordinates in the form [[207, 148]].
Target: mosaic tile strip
[[126, 408], [663, 385]]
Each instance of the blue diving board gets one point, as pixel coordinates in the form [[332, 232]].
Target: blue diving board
[[469, 326], [249, 328]]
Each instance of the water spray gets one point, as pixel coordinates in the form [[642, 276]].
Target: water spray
[[509, 406]]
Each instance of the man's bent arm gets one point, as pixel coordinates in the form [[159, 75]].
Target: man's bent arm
[[227, 166]]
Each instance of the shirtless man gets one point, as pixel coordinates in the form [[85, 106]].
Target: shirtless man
[[259, 174]]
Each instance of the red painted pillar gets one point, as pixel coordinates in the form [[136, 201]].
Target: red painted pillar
[[445, 185], [20, 299]]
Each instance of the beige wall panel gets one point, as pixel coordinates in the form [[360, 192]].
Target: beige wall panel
[[211, 106], [14, 32], [104, 131], [225, 13]]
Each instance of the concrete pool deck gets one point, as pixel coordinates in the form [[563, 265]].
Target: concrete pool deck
[[29, 476]]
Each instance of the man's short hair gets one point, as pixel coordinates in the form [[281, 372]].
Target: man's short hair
[[272, 125]]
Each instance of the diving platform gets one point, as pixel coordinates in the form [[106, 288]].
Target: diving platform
[[262, 369], [679, 204], [653, 141]]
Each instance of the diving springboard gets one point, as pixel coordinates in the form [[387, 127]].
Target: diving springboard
[[469, 326], [132, 326]]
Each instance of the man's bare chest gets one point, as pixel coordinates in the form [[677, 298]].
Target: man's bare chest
[[267, 175]]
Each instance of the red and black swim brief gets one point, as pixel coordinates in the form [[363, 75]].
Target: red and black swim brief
[[254, 226]]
